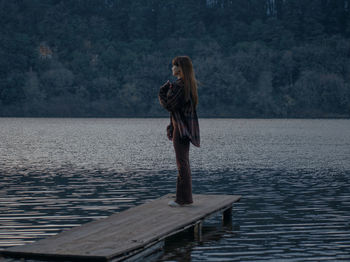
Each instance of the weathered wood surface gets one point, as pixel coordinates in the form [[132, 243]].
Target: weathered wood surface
[[127, 231]]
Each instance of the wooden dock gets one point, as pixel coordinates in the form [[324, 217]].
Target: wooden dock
[[127, 235]]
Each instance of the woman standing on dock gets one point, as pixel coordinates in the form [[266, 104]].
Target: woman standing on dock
[[180, 98]]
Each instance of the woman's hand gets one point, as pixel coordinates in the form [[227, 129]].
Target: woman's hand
[[166, 84], [169, 131]]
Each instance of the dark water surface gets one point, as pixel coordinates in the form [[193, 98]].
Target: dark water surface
[[58, 173]]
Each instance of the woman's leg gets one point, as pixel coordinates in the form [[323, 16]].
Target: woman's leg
[[184, 180]]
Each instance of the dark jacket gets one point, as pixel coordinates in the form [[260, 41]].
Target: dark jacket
[[172, 98]]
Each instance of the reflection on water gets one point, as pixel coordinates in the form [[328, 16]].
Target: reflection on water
[[293, 174]]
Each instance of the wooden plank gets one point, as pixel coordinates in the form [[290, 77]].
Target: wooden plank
[[125, 232]]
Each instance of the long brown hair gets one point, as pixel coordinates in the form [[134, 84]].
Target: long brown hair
[[185, 63]]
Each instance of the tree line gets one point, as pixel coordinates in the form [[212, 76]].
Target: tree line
[[108, 58]]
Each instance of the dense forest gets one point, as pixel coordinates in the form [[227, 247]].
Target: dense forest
[[108, 58]]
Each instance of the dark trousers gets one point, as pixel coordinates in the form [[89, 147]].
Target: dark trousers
[[184, 179]]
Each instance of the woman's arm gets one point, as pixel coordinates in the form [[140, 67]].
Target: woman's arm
[[171, 96], [170, 130], [162, 96]]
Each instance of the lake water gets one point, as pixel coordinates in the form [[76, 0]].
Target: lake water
[[293, 175]]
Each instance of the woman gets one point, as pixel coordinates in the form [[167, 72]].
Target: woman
[[180, 98]]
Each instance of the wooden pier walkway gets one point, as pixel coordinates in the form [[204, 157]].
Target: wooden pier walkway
[[127, 235]]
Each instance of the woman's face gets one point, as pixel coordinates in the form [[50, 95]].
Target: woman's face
[[176, 71]]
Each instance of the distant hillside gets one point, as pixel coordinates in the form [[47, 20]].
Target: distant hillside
[[257, 58]]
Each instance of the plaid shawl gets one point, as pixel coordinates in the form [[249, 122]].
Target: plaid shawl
[[172, 98]]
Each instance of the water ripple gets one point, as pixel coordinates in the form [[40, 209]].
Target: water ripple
[[56, 174]]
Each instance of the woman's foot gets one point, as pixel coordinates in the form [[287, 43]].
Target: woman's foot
[[172, 203]]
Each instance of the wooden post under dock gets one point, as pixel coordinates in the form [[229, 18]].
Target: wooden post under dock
[[128, 235]]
